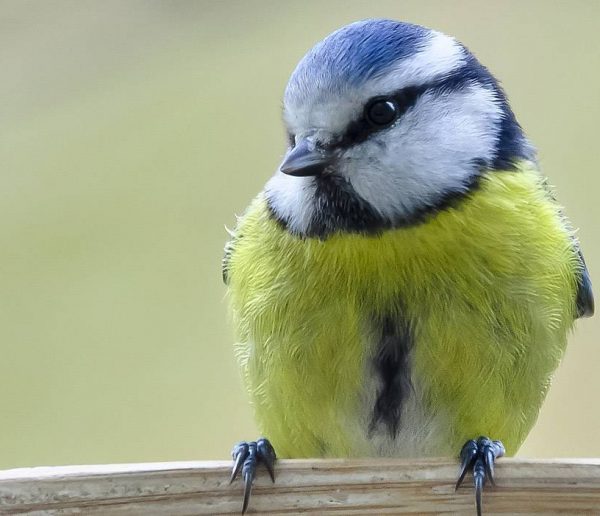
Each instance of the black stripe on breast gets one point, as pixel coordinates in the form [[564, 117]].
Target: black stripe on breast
[[391, 364]]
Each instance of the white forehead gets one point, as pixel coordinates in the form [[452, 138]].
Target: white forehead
[[317, 104]]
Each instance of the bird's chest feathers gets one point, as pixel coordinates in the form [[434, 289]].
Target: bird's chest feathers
[[477, 288], [498, 242], [300, 284]]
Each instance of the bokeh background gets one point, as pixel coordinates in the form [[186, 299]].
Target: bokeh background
[[130, 135]]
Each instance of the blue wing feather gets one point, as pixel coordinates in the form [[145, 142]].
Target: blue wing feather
[[585, 296]]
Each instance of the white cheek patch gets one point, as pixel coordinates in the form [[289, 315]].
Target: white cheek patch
[[427, 155], [430, 152], [292, 200]]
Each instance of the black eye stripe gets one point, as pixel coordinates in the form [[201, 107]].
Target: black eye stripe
[[359, 130], [407, 97]]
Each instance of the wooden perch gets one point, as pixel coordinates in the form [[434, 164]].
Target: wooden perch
[[373, 486]]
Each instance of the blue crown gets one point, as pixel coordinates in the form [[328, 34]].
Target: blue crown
[[358, 52]]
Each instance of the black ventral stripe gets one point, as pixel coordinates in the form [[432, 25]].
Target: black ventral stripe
[[392, 368]]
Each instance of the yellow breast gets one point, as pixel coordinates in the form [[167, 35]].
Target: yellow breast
[[488, 286]]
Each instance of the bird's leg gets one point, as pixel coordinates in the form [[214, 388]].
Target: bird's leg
[[246, 456], [479, 457]]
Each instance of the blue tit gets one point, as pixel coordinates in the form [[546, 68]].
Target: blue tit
[[406, 280]]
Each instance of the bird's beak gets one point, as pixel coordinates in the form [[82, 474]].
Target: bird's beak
[[305, 160]]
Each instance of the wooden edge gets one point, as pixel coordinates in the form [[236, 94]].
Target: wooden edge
[[366, 486]]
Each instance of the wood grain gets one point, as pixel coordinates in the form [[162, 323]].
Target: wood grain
[[373, 486]]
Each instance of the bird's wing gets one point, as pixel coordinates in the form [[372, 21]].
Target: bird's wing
[[585, 296]]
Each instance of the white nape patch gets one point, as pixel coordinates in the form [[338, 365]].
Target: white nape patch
[[441, 56], [292, 199], [429, 152]]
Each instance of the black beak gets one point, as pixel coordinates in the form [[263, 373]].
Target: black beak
[[305, 160]]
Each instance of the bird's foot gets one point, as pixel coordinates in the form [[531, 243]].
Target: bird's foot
[[479, 457], [246, 456]]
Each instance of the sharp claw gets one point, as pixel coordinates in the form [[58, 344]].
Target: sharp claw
[[463, 471], [247, 490], [478, 491], [468, 454], [271, 470], [479, 480], [246, 456], [267, 454], [239, 454], [249, 472], [479, 456], [488, 462]]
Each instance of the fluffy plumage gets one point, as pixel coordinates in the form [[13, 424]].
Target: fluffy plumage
[[490, 290], [419, 291]]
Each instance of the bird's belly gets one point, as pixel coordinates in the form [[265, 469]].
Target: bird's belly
[[486, 292], [422, 430], [317, 392]]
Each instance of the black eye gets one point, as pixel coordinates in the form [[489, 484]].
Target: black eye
[[381, 112]]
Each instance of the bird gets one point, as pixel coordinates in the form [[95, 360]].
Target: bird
[[405, 283]]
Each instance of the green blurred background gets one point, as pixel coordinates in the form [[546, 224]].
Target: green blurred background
[[132, 132]]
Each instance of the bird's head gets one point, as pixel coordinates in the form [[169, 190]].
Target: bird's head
[[388, 122]]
